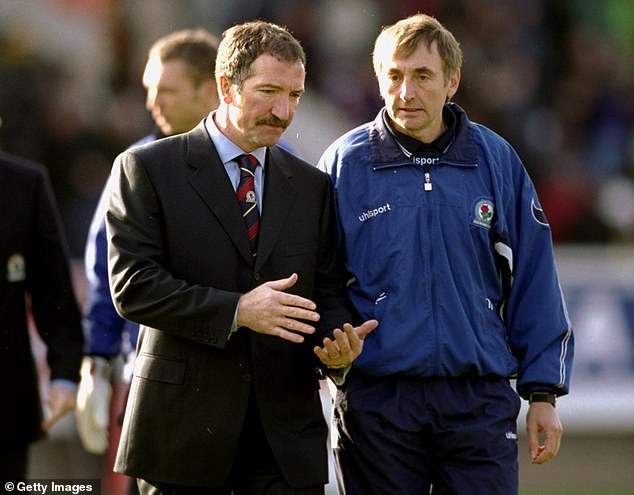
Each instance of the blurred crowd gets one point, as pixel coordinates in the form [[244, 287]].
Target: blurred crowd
[[554, 77]]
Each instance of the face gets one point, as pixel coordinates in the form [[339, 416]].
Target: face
[[176, 104], [415, 91], [259, 112]]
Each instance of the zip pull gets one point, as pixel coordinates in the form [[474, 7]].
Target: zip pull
[[428, 186]]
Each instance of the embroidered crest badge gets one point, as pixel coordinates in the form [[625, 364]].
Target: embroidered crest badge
[[538, 214], [16, 268], [483, 213]]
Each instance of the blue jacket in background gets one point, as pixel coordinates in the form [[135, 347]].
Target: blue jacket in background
[[454, 258], [106, 333]]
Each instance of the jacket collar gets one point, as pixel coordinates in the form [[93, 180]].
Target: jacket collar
[[384, 148], [211, 182]]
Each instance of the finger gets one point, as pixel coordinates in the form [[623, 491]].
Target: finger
[[537, 455], [322, 355], [552, 442], [534, 447], [541, 452], [283, 283], [294, 325], [286, 335], [328, 353], [347, 340], [295, 301], [542, 455], [365, 328], [330, 347], [326, 358], [301, 313]]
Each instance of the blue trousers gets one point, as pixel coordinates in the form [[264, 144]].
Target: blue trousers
[[412, 436]]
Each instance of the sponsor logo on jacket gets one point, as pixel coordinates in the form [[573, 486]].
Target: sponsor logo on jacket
[[366, 215]]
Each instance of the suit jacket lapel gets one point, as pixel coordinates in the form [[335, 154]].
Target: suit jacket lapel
[[211, 182], [278, 198]]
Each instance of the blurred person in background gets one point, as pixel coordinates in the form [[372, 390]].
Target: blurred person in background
[[181, 91], [448, 247], [236, 313], [36, 283]]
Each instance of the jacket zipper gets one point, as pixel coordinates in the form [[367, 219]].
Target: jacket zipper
[[428, 185]]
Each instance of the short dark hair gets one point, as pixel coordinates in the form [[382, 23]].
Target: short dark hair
[[198, 48], [242, 44]]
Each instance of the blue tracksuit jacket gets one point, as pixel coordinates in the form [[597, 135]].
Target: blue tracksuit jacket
[[454, 258], [104, 329]]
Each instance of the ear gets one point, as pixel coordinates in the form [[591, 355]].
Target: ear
[[225, 89], [454, 82]]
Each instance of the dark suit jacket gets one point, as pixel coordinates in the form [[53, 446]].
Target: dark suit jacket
[[33, 265], [179, 260]]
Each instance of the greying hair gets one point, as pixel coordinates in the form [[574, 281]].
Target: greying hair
[[402, 38]]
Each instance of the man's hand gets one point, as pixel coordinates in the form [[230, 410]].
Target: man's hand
[[346, 346], [544, 432], [60, 401], [93, 404], [269, 310]]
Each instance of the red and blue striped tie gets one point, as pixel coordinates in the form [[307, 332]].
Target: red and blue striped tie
[[247, 199]]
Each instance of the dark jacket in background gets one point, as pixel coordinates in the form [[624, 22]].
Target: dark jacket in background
[[34, 268]]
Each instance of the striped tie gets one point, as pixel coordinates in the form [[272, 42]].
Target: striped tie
[[247, 199]]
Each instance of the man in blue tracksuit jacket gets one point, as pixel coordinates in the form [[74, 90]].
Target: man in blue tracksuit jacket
[[449, 249]]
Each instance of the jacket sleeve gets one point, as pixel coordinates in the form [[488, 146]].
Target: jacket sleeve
[[539, 330], [142, 284], [54, 305]]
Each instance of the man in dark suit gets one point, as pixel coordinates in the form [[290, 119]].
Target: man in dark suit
[[235, 307], [35, 282]]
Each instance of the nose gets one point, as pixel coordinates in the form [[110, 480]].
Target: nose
[[283, 108], [406, 90]]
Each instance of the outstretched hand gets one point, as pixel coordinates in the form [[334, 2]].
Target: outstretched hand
[[267, 309], [346, 346]]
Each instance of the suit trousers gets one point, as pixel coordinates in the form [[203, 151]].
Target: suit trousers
[[255, 470]]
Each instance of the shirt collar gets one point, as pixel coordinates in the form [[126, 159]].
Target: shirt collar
[[227, 149], [414, 147]]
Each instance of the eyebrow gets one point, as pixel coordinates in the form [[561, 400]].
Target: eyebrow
[[265, 85], [417, 72]]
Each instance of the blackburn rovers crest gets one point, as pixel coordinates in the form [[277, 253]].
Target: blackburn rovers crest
[[483, 213]]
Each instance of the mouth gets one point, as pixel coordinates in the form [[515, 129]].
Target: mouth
[[410, 110]]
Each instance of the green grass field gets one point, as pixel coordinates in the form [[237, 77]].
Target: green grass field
[[580, 491], [586, 465]]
